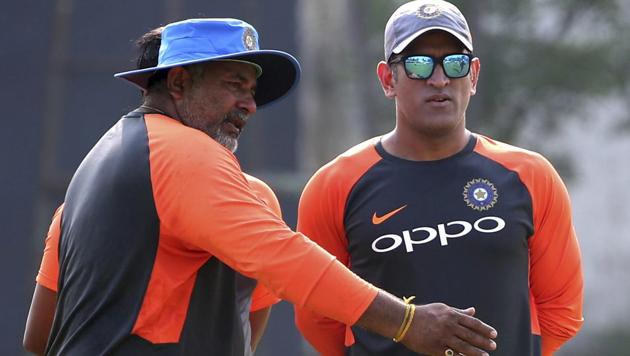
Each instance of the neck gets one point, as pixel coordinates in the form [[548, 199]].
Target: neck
[[419, 147], [160, 105]]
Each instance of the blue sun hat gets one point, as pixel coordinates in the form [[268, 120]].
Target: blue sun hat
[[219, 39]]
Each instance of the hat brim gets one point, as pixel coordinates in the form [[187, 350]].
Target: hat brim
[[280, 73]]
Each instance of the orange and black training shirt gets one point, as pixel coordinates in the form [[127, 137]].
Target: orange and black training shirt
[[157, 221], [489, 227]]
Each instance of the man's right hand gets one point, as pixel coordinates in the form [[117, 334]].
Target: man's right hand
[[437, 327]]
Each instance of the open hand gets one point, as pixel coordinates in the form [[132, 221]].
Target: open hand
[[438, 327]]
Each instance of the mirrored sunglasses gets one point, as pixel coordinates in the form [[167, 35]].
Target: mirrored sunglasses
[[422, 66]]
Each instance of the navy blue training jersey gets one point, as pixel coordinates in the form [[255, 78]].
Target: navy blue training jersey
[[489, 227]]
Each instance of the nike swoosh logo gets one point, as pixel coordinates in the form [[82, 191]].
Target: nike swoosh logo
[[380, 219]]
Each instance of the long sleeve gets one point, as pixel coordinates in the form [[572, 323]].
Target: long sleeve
[[556, 278]]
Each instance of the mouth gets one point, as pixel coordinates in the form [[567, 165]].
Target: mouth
[[233, 124], [438, 99], [231, 129]]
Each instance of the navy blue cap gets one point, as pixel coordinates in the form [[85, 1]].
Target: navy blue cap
[[220, 39]]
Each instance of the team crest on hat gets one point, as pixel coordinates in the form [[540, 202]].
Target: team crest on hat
[[249, 39], [429, 11], [480, 194]]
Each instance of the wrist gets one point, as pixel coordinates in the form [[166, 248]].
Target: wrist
[[410, 310]]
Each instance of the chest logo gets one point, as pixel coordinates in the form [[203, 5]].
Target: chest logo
[[480, 194], [376, 220]]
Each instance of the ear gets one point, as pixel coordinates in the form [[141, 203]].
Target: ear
[[178, 82], [385, 76], [474, 75]]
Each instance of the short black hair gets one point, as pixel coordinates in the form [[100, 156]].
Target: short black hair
[[149, 47]]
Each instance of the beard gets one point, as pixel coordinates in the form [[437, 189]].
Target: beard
[[214, 128], [224, 139]]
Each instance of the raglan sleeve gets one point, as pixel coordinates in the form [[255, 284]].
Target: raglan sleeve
[[48, 274], [204, 200], [556, 278], [320, 217]]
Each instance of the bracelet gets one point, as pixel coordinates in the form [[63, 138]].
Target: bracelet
[[407, 325], [397, 337], [410, 310]]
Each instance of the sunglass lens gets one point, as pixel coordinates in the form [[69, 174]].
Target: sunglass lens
[[419, 67], [456, 65]]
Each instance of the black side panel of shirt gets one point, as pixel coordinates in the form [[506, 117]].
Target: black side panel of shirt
[[109, 239]]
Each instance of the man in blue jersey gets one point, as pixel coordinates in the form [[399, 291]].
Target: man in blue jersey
[[435, 211]]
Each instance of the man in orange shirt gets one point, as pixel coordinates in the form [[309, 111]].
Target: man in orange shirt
[[159, 221], [433, 210], [43, 307]]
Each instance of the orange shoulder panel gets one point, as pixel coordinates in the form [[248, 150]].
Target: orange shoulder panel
[[554, 250], [207, 207], [320, 217], [48, 275]]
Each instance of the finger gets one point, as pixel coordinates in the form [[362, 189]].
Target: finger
[[477, 325], [475, 339], [460, 346]]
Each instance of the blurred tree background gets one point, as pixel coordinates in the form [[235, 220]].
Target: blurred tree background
[[554, 78]]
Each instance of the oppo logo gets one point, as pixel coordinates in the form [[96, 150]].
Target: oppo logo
[[424, 234]]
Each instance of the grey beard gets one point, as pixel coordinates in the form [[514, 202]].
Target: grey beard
[[224, 140]]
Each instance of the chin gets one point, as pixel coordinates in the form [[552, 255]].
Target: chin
[[444, 125], [439, 129]]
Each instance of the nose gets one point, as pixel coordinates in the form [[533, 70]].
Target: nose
[[438, 79], [247, 103]]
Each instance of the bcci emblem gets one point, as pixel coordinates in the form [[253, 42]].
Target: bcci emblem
[[429, 11], [249, 39], [480, 194]]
